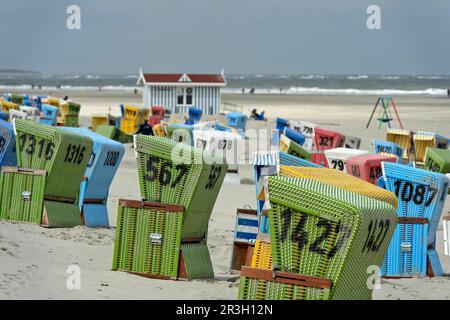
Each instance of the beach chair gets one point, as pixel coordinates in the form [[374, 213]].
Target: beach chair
[[22, 194], [387, 148], [70, 113], [352, 142], [98, 120], [16, 114], [368, 167], [100, 171], [237, 120], [223, 144], [437, 160], [262, 252], [290, 147], [7, 144], [52, 101], [307, 129], [281, 124], [326, 139], [403, 138], [14, 98], [7, 105], [157, 116], [301, 209], [295, 136], [265, 164], [132, 118], [245, 233], [32, 113], [49, 115], [195, 114], [424, 140], [421, 196], [148, 239], [337, 158], [64, 155], [171, 172]]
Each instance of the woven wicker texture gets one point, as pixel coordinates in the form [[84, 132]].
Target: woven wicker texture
[[62, 154], [423, 140], [148, 240], [61, 215], [317, 229], [407, 253], [341, 180], [290, 160], [22, 194], [421, 193], [437, 160], [194, 186], [254, 288], [7, 145], [197, 261], [402, 138], [262, 255]]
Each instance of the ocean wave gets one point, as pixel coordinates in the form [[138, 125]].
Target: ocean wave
[[358, 77], [312, 77], [355, 92], [349, 92]]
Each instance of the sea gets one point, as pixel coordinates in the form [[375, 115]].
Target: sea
[[300, 84]]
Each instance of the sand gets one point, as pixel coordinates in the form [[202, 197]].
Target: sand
[[34, 260]]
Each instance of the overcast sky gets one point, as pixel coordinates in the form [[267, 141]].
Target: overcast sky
[[241, 36]]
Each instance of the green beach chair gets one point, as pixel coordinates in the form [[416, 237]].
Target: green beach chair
[[148, 238], [319, 230], [192, 183], [64, 156], [22, 194]]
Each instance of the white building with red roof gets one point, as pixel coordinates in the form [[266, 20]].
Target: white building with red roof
[[179, 91]]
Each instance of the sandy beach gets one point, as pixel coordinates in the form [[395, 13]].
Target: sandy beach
[[34, 260]]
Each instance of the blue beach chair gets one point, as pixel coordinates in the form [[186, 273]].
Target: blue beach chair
[[421, 197], [100, 171]]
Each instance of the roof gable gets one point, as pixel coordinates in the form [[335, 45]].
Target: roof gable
[[174, 78]]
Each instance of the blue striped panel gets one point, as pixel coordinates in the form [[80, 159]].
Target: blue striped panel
[[245, 235], [248, 222]]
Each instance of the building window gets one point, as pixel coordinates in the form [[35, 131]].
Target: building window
[[180, 96], [189, 96], [184, 96]]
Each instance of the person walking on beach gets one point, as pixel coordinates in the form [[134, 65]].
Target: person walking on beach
[[145, 129]]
